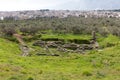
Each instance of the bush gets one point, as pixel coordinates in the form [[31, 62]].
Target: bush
[[76, 25], [87, 73], [11, 38], [9, 31], [29, 30], [30, 78]]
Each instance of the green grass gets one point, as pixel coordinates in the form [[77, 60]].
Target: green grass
[[109, 41], [94, 65], [66, 36]]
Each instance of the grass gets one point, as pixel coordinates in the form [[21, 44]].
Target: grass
[[109, 41], [66, 36], [94, 65]]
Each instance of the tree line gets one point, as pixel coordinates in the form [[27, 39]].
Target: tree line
[[74, 25]]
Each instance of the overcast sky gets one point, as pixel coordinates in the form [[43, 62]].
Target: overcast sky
[[14, 5]]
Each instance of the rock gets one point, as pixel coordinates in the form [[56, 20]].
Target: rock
[[39, 43], [51, 44], [95, 45], [25, 50], [72, 46], [86, 47]]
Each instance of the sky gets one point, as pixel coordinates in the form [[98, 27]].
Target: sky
[[16, 5]]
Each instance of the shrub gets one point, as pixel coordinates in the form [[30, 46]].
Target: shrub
[[87, 73], [24, 30], [9, 31], [30, 78], [29, 30]]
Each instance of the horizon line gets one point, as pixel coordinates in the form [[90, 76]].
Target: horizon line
[[58, 10]]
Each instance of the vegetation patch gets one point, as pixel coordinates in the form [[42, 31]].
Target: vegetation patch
[[73, 63]]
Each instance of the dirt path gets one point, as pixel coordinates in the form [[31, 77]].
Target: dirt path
[[24, 48]]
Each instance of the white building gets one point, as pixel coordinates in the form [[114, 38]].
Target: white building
[[1, 18]]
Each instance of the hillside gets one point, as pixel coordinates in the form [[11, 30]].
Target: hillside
[[94, 65], [71, 48]]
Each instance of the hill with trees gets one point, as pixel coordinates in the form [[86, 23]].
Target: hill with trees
[[52, 48]]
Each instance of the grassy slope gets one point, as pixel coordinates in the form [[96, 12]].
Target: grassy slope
[[102, 65], [65, 36]]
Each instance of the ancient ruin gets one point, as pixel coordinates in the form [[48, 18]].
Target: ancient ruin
[[69, 46]]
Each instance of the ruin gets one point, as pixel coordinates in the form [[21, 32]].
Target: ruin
[[69, 46], [74, 47]]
